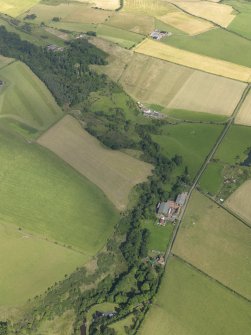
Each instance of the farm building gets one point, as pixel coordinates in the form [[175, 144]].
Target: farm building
[[158, 35], [169, 210], [54, 48]]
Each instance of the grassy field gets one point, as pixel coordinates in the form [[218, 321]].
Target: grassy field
[[60, 325], [193, 60], [25, 98], [16, 7], [221, 14], [42, 194], [212, 179], [30, 264], [181, 114], [244, 116], [160, 236], [239, 201], [192, 141], [119, 326], [189, 303], [217, 243], [5, 61], [209, 44], [114, 172], [241, 23]]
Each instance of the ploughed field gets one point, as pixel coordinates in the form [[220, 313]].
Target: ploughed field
[[114, 172]]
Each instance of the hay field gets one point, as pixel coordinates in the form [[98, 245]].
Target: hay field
[[114, 172], [25, 98], [208, 93], [138, 23], [239, 201], [189, 303], [217, 243], [192, 60], [220, 14], [30, 264], [16, 7], [149, 7], [186, 23], [104, 4], [244, 114], [42, 194]]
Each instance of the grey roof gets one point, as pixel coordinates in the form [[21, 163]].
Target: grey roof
[[181, 198], [163, 208]]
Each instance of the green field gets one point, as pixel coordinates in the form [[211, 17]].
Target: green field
[[119, 326], [192, 141], [185, 115], [241, 23], [226, 163], [234, 49], [25, 98], [16, 7], [30, 264], [60, 325], [217, 243], [160, 236], [189, 303], [40, 193]]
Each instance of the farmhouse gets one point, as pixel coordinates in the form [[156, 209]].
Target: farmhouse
[[147, 112], [169, 210], [158, 35]]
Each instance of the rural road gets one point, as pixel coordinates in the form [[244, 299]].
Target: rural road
[[168, 252]]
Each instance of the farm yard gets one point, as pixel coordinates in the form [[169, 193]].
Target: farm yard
[[26, 99], [192, 60], [188, 301], [191, 141], [114, 172], [217, 243], [239, 201]]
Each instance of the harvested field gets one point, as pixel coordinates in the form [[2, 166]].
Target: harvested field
[[114, 172], [149, 7], [217, 243], [192, 60], [186, 23], [137, 23], [16, 7], [30, 264], [218, 13], [208, 93], [244, 114], [239, 201], [104, 4], [26, 98], [189, 303]]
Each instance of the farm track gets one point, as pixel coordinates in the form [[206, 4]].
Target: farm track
[[169, 253]]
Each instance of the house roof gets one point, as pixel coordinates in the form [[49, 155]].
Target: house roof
[[181, 198]]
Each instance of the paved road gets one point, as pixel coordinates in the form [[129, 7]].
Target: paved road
[[202, 169]]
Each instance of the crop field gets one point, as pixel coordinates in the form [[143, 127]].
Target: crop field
[[192, 141], [189, 303], [220, 14], [114, 172], [160, 236], [149, 7], [141, 24], [244, 115], [217, 243], [30, 264], [241, 23], [16, 7], [239, 201], [186, 23], [34, 197], [25, 98], [192, 60], [104, 4], [208, 93], [209, 44]]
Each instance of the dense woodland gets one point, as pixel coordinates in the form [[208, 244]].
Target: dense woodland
[[69, 78]]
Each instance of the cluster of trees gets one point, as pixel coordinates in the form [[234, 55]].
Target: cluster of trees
[[67, 74]]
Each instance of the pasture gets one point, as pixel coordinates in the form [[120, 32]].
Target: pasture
[[209, 44], [244, 115], [30, 264], [119, 326], [160, 236], [193, 60], [16, 7], [42, 194], [5, 61], [220, 14], [217, 243], [60, 325], [239, 201], [182, 114], [26, 99], [212, 179], [114, 172], [191, 141], [189, 303]]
